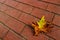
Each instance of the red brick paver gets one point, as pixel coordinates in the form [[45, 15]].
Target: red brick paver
[[25, 8], [55, 33], [11, 3], [15, 25], [11, 11], [54, 8], [3, 7], [3, 17], [26, 18], [12, 36], [57, 20], [3, 30]]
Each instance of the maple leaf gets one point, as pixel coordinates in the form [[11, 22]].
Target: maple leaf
[[41, 22], [41, 25]]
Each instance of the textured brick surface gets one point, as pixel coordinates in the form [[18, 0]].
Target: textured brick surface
[[53, 1], [11, 11], [39, 13], [11, 3], [28, 19], [17, 15], [55, 33], [15, 25], [11, 36], [23, 7], [3, 7], [3, 30], [3, 17], [35, 3], [57, 20], [54, 8]]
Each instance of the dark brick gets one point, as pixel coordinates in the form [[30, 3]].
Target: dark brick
[[56, 20], [53, 8], [39, 13]]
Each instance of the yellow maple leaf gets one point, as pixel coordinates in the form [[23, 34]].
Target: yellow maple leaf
[[41, 22]]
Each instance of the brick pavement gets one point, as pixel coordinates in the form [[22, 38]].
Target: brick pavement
[[17, 15]]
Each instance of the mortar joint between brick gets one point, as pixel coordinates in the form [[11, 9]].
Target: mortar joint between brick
[[23, 29], [5, 34], [53, 17]]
